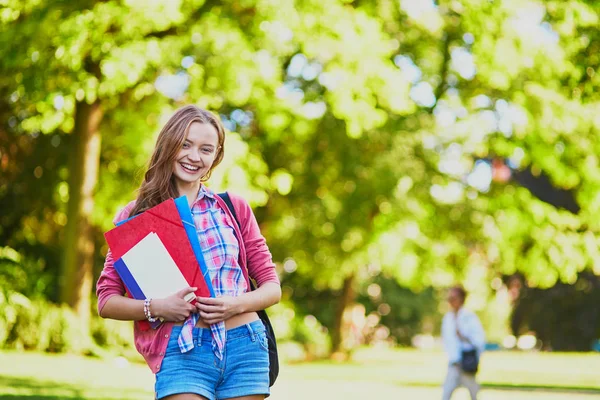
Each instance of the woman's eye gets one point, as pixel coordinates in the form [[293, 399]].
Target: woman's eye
[[186, 145], [207, 150]]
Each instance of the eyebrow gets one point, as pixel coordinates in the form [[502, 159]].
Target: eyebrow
[[205, 144]]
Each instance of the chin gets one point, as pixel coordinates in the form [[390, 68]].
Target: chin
[[187, 178]]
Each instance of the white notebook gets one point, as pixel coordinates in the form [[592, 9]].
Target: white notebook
[[154, 270]]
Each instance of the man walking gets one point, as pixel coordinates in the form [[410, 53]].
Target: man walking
[[464, 341]]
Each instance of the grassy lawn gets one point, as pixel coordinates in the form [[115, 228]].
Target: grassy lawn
[[381, 374], [498, 369]]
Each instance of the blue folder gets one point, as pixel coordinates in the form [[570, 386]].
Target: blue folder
[[119, 223], [190, 228]]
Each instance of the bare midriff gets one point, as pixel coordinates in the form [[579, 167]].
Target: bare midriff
[[233, 322]]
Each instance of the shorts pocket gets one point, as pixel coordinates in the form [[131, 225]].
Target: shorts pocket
[[263, 341]]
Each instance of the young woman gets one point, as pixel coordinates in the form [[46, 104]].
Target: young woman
[[216, 349]]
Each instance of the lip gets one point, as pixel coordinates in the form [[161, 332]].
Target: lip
[[181, 164]]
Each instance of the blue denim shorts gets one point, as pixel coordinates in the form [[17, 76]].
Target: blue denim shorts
[[243, 371]]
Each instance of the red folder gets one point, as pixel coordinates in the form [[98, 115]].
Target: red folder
[[165, 221]]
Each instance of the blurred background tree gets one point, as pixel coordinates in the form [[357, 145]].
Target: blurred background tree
[[403, 144]]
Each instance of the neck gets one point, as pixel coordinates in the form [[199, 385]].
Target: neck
[[189, 190]]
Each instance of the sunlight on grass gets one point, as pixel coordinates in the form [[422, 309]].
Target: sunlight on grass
[[34, 375], [386, 374], [412, 367]]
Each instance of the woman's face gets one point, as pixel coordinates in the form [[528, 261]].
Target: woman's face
[[197, 154]]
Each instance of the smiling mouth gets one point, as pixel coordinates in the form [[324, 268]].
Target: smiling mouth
[[189, 168]]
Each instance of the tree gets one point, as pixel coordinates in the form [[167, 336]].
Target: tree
[[488, 80], [70, 65], [363, 132]]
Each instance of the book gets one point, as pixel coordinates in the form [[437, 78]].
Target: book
[[190, 228], [148, 270], [165, 222]]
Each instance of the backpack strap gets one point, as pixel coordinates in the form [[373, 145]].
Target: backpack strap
[[273, 357], [227, 200]]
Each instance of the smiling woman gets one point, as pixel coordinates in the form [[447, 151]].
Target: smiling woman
[[196, 157], [187, 352], [193, 137]]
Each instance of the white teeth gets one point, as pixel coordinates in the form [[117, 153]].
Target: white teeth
[[190, 167]]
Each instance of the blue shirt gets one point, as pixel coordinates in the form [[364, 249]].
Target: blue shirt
[[469, 327]]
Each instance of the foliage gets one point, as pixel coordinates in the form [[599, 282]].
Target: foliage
[[300, 337], [370, 136], [46, 327], [114, 337], [563, 317], [39, 325], [404, 312], [27, 275]]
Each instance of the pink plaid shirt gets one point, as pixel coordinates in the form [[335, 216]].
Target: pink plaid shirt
[[220, 249], [254, 260]]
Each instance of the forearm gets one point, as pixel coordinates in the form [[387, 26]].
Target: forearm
[[123, 309], [261, 298]]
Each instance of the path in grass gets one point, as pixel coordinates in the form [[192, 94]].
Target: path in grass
[[373, 374]]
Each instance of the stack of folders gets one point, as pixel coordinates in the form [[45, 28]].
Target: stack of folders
[[157, 254]]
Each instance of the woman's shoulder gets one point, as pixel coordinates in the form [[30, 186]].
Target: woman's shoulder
[[241, 205], [237, 200], [124, 212]]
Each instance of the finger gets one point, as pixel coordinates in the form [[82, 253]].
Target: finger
[[210, 316], [209, 300], [208, 309], [183, 292]]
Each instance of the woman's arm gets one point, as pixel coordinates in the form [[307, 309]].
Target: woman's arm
[[123, 309], [261, 298], [114, 305], [259, 261], [260, 267], [173, 308], [216, 309]]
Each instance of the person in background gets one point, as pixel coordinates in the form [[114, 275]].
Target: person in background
[[461, 332]]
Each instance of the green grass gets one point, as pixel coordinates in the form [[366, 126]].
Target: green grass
[[373, 373], [42, 376], [498, 369]]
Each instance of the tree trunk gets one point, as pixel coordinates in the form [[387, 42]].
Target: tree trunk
[[77, 272], [347, 297]]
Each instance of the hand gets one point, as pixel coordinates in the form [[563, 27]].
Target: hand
[[173, 308], [216, 309]]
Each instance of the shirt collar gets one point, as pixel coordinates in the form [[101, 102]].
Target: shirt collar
[[205, 192]]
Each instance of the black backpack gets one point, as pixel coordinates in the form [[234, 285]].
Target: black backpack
[[273, 358]]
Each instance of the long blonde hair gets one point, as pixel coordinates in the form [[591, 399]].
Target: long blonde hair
[[159, 182]]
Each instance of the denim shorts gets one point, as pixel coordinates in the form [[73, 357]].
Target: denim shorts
[[243, 371]]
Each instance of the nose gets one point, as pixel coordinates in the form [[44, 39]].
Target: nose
[[194, 155]]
